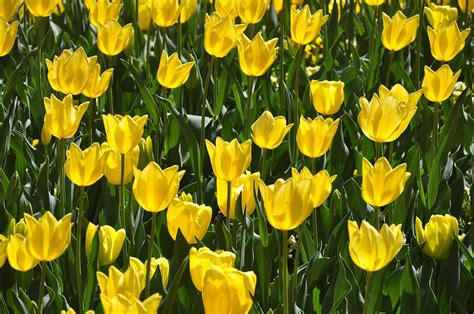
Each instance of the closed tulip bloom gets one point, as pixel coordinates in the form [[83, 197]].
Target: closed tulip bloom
[[305, 26], [296, 2], [162, 264], [7, 36], [188, 9], [172, 73], [71, 71], [256, 56], [251, 11], [112, 38], [123, 132], [314, 137], [144, 14], [100, 11], [372, 250], [221, 34], [62, 119], [70, 310], [200, 261], [116, 282], [278, 5], [41, 7], [48, 238], [287, 203], [154, 188], [438, 86], [381, 185], [85, 168], [165, 13], [127, 303], [98, 83], [226, 7], [8, 8], [447, 41], [3, 249], [18, 255], [440, 15], [268, 131], [437, 236], [192, 219], [113, 165], [374, 2], [245, 186], [110, 242], [229, 159], [399, 31], [327, 96], [321, 184], [466, 5]]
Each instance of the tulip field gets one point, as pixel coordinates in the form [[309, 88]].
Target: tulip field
[[236, 156]]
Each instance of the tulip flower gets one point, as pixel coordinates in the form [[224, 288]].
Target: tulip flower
[[437, 236], [381, 185], [144, 14], [321, 184], [41, 7], [268, 131], [48, 238], [447, 41], [438, 86], [372, 250], [221, 34], [305, 26], [374, 2], [7, 36], [127, 303], [172, 73], [327, 96], [101, 11], [140, 268], [123, 132], [440, 15], [278, 5], [62, 119], [226, 7], [84, 168], [98, 83], [251, 11], [112, 38], [228, 290], [256, 56], [314, 137], [113, 168], [287, 203], [188, 9], [399, 31], [467, 6], [244, 185], [18, 255], [110, 242], [117, 282], [200, 261], [8, 8], [154, 188], [229, 159], [70, 310], [165, 13], [192, 219], [71, 71], [3, 249]]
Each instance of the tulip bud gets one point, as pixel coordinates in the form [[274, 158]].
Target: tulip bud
[[84, 168], [144, 14], [438, 86], [327, 96], [437, 236], [7, 36], [172, 73], [314, 137], [256, 56], [112, 38], [278, 5], [467, 6], [374, 2], [268, 131], [399, 31], [101, 11], [165, 13], [229, 160], [45, 136], [123, 132], [226, 7], [62, 119], [18, 255], [440, 15], [221, 34], [113, 165], [447, 41], [140, 268], [41, 7], [188, 9], [251, 11], [200, 261], [305, 27], [245, 186], [110, 243], [321, 184], [3, 249], [8, 8]]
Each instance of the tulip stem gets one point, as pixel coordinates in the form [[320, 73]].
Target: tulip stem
[[150, 250], [297, 259], [148, 51], [418, 49], [41, 286], [376, 217], [80, 217], [314, 215], [263, 157], [111, 88], [284, 275], [90, 115], [434, 142], [227, 214], [378, 150], [299, 59], [368, 287], [41, 22], [389, 68], [249, 119], [62, 178], [121, 191]]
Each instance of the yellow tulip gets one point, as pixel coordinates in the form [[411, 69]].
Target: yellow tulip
[[127, 303], [113, 167], [278, 5], [399, 31], [62, 119], [437, 236], [165, 13], [71, 71], [3, 249], [221, 34], [314, 137], [228, 290], [296, 2], [154, 188], [8, 8], [374, 2], [200, 261], [100, 11], [98, 83], [288, 203], [172, 73], [123, 132], [144, 14], [321, 184], [18, 255], [438, 86], [192, 219], [372, 250], [7, 36], [381, 185], [117, 282], [251, 11], [440, 15], [305, 26], [140, 268], [17, 227], [466, 5], [327, 96], [85, 167], [256, 56], [268, 131], [70, 310], [226, 7], [229, 159], [48, 238], [41, 7], [188, 9], [244, 185], [447, 41], [112, 38], [110, 242]]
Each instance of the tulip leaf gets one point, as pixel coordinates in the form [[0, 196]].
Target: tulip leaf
[[467, 255]]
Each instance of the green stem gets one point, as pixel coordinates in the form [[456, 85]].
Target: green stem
[[299, 59], [179, 41], [378, 150], [376, 217], [434, 142], [389, 69], [249, 119], [418, 49], [227, 213], [150, 250], [41, 287], [297, 259], [62, 178], [390, 152], [314, 214], [111, 88], [261, 166], [80, 217], [368, 287], [284, 275], [121, 191], [90, 115], [41, 23], [148, 51]]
